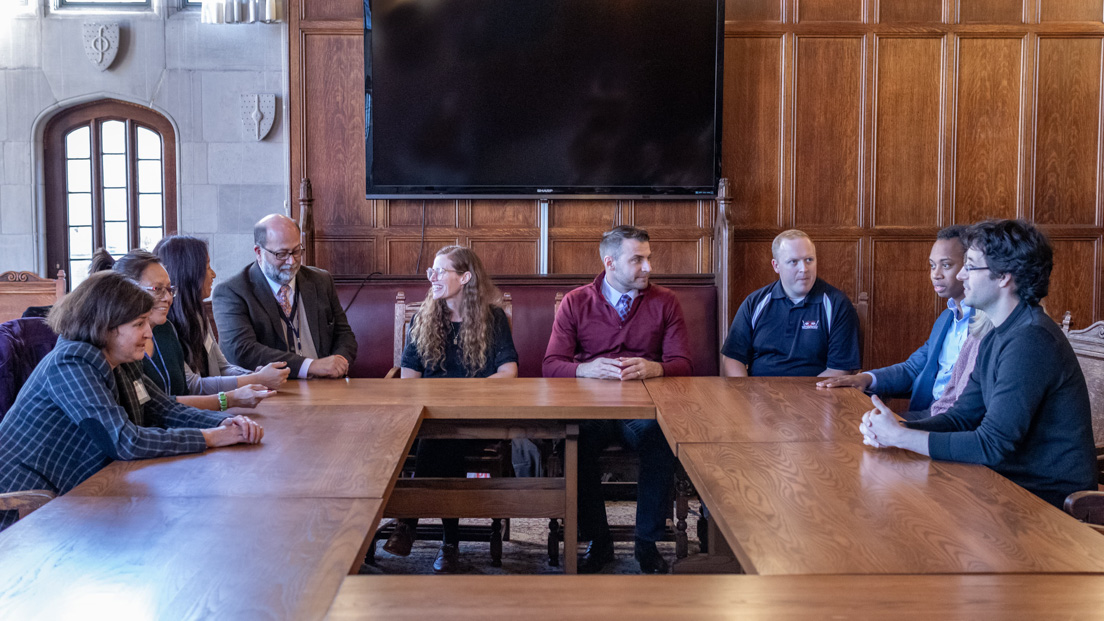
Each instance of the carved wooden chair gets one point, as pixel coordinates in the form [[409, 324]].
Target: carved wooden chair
[[25, 502], [21, 290], [1088, 344], [495, 461]]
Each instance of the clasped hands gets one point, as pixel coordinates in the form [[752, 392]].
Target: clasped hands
[[620, 369], [234, 430], [880, 427]]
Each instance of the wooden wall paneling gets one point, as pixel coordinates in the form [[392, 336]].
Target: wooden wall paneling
[[751, 150], [910, 11], [907, 184], [402, 255], [903, 305], [501, 255], [1071, 10], [668, 214], [332, 112], [838, 264], [753, 10], [316, 10], [829, 10], [680, 256], [827, 130], [573, 213], [991, 11], [751, 263], [346, 256], [574, 256], [500, 213], [988, 125], [437, 213], [1071, 286], [1067, 131]]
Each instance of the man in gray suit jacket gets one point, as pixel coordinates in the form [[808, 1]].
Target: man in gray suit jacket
[[278, 309]]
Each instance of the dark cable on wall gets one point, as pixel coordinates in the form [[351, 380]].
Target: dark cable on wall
[[362, 283]]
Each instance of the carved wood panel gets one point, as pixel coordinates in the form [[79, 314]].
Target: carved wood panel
[[903, 304]]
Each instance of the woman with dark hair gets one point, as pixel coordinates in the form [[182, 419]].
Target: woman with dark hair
[[86, 403], [164, 360], [188, 263], [460, 331]]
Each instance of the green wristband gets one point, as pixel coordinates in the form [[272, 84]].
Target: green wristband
[[222, 401]]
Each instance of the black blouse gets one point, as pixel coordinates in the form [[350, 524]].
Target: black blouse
[[501, 350]]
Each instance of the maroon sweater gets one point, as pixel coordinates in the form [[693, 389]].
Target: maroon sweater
[[587, 327]]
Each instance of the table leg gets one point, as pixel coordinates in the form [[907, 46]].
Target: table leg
[[571, 499]]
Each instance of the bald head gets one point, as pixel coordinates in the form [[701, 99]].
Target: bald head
[[274, 223], [277, 246]]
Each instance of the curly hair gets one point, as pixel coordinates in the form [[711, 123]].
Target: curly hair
[[185, 259], [1016, 248], [478, 295]]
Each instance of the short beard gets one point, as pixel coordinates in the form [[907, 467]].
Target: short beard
[[275, 275]]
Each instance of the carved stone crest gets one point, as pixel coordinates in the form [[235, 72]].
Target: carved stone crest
[[257, 114], [101, 43]]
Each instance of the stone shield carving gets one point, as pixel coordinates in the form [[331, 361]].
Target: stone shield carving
[[101, 43], [257, 114]]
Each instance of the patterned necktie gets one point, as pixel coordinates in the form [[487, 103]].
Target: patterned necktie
[[623, 305], [284, 298]]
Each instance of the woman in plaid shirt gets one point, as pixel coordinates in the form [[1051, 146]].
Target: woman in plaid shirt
[[86, 403]]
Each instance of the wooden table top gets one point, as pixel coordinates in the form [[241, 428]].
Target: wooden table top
[[519, 398], [536, 598], [335, 451], [827, 507], [761, 409], [181, 558]]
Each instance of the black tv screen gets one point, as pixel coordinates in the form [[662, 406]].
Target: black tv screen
[[542, 97]]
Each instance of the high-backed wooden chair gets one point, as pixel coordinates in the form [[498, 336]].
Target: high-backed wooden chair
[[1088, 344], [25, 502], [21, 290], [495, 461]]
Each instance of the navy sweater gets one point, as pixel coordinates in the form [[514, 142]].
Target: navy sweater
[[1025, 412]]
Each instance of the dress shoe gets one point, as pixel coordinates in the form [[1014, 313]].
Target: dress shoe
[[651, 561], [448, 559], [401, 540], [598, 553]]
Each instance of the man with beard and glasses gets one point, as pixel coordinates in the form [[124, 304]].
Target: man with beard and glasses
[[279, 309]]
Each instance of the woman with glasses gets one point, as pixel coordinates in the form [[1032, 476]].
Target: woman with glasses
[[87, 404], [459, 331], [164, 363], [188, 264]]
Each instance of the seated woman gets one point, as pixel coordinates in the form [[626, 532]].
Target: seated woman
[[458, 332], [87, 404], [164, 360], [980, 325], [188, 264]]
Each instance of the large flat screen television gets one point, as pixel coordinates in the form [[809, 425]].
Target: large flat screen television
[[500, 98]]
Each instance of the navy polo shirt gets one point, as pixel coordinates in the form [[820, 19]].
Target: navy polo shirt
[[775, 337]]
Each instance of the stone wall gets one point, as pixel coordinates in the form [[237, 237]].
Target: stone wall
[[192, 73]]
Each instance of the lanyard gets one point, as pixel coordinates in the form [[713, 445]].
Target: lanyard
[[163, 370], [289, 321]]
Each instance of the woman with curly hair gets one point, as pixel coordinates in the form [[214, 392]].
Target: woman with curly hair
[[460, 331]]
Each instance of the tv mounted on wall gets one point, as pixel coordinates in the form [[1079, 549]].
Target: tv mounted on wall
[[525, 98]]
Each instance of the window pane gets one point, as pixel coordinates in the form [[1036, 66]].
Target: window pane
[[149, 176], [115, 238], [77, 143], [113, 137], [79, 175], [77, 272], [149, 144], [114, 171], [80, 210], [149, 210], [80, 242], [150, 237], [115, 205]]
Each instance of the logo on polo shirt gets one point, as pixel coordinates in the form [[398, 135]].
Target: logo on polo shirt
[[810, 325]]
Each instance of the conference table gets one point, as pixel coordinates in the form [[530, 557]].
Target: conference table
[[272, 530]]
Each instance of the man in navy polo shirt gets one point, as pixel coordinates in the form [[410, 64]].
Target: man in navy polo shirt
[[797, 326]]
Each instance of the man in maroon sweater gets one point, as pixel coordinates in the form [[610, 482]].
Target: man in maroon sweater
[[621, 328]]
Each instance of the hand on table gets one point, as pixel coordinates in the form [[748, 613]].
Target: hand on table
[[272, 375], [639, 369], [880, 427], [859, 380], [334, 366], [619, 369], [234, 430], [248, 396]]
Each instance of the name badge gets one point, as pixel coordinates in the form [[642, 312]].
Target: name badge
[[140, 390]]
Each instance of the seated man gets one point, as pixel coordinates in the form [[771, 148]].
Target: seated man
[[621, 328], [1025, 411], [927, 371], [278, 309], [797, 326]]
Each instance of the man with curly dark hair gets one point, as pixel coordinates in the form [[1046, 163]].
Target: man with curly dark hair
[[1025, 412]]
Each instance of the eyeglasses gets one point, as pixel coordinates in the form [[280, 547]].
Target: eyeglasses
[[284, 254], [160, 292], [438, 272], [974, 268]]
